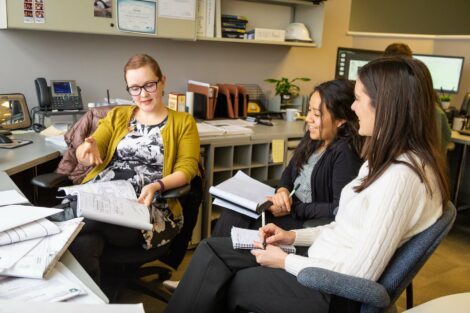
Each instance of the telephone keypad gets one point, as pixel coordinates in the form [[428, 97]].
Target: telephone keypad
[[66, 103]]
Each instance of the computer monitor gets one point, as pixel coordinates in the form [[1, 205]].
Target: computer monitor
[[349, 61], [446, 71]]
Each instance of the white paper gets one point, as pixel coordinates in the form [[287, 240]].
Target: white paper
[[39, 261], [12, 197], [178, 9], [16, 215], [242, 190], [87, 296], [11, 254], [136, 16], [209, 130], [116, 188], [56, 287], [235, 208], [110, 209], [15, 306], [226, 122], [36, 229], [57, 140], [243, 239]]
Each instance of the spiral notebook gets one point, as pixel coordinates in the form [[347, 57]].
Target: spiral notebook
[[243, 239]]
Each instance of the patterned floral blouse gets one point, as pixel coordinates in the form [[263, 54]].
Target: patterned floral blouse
[[139, 160]]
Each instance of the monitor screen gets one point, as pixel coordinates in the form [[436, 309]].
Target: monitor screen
[[446, 71], [62, 87], [349, 61]]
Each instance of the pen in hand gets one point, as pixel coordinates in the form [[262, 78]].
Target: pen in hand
[[263, 222], [294, 190]]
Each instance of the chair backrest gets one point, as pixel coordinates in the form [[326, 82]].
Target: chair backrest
[[410, 257], [83, 128]]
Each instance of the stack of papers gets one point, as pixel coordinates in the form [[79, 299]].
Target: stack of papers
[[30, 247], [206, 129]]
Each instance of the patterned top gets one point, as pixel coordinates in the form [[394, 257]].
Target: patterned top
[[139, 160]]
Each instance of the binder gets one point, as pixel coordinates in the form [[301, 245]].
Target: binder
[[224, 106], [242, 101], [205, 99], [235, 97]]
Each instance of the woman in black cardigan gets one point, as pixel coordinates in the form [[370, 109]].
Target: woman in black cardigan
[[326, 159]]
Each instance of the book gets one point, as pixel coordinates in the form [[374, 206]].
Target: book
[[113, 202], [243, 239], [242, 194], [177, 101], [201, 18], [266, 34], [210, 18]]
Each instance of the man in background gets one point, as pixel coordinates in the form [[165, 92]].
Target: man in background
[[444, 131]]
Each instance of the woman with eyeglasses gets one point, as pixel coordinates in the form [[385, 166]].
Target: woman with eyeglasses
[[151, 147]]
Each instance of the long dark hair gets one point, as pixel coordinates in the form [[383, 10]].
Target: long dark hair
[[337, 97], [401, 92]]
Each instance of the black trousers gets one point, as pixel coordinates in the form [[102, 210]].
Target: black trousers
[[230, 218], [88, 246], [221, 279]]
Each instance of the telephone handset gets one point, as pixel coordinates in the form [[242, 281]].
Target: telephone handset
[[61, 95]]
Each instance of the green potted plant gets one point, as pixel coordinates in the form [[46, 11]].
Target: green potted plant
[[285, 88], [444, 99]]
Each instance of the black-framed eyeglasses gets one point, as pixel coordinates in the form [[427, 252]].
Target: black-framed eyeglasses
[[150, 87]]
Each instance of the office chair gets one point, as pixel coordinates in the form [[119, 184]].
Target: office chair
[[366, 296], [128, 261]]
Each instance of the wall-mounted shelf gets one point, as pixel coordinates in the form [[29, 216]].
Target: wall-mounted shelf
[[77, 17]]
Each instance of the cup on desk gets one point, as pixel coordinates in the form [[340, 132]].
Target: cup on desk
[[291, 115], [458, 123]]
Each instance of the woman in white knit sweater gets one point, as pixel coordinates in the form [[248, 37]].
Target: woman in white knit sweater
[[399, 192]]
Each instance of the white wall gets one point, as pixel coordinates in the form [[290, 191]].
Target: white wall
[[96, 61]]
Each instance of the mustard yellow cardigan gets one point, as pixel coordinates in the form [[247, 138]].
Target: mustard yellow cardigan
[[180, 141]]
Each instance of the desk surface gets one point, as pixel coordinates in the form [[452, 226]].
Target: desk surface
[[16, 160], [458, 138], [458, 303], [281, 129]]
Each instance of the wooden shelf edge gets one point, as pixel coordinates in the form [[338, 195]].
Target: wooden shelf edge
[[261, 42]]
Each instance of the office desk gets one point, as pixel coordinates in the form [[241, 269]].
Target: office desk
[[458, 303], [67, 259], [13, 161], [465, 141]]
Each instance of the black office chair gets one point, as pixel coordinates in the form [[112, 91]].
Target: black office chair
[[127, 263]]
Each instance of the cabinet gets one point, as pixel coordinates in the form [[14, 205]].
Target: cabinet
[[77, 16], [223, 156], [276, 14], [252, 158]]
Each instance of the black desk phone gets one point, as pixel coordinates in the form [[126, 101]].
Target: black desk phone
[[60, 95]]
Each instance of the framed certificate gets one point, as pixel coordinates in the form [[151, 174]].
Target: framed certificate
[[138, 16]]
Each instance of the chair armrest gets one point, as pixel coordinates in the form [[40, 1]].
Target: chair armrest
[[175, 192], [350, 287], [50, 180]]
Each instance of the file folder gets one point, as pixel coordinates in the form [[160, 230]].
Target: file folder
[[224, 106], [205, 99]]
